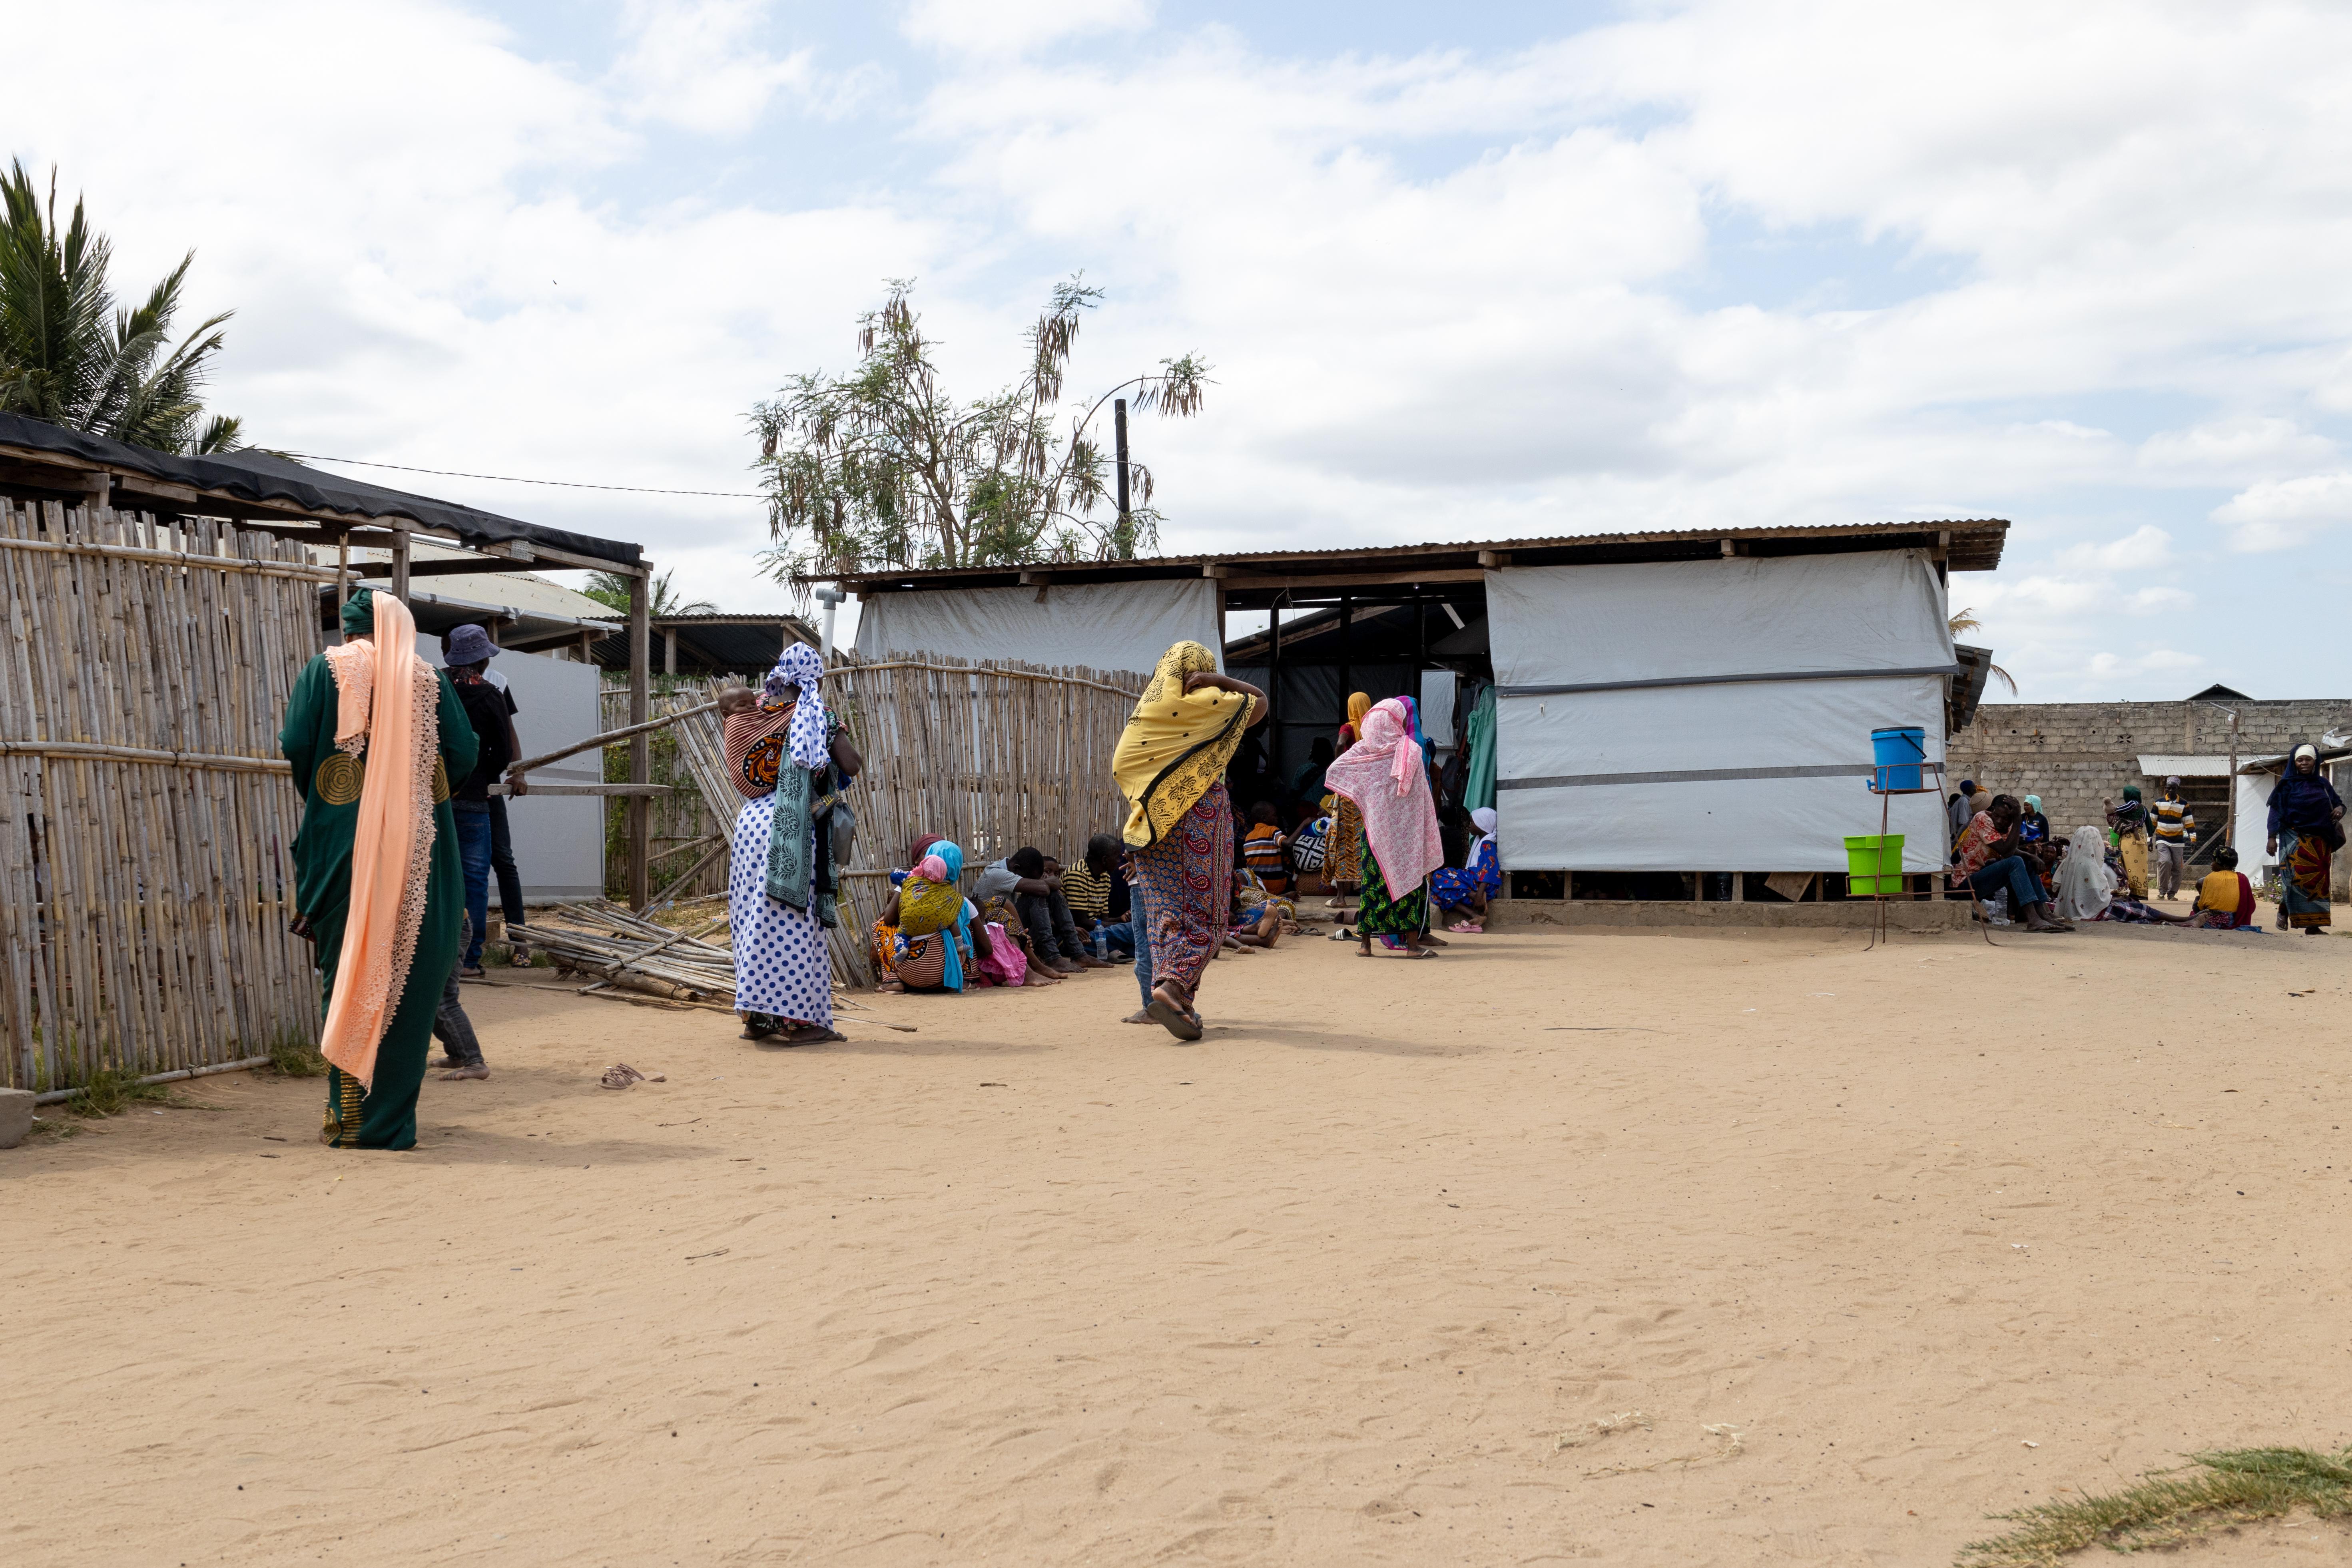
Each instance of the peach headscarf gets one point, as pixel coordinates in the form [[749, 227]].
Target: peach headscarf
[[392, 842]]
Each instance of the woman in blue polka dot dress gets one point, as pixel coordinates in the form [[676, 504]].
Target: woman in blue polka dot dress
[[785, 753]]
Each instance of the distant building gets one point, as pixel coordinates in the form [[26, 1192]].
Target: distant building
[[2078, 756]]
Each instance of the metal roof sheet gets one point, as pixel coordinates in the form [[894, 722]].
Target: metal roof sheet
[[1971, 545]]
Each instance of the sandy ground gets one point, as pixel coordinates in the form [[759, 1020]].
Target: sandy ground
[[1933, 1232]]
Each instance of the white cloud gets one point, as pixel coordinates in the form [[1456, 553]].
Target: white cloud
[[2146, 548], [2281, 514], [997, 27], [2237, 445], [698, 64], [1450, 294]]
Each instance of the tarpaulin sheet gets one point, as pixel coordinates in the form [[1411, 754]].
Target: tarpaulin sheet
[[1713, 715], [1103, 626]]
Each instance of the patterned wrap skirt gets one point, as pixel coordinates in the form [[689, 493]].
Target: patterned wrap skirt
[[1188, 882], [1379, 914], [1344, 847], [783, 968], [2306, 867]]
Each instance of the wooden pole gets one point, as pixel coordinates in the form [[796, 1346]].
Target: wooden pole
[[669, 651], [1119, 424], [400, 561], [641, 756], [609, 737], [343, 579]]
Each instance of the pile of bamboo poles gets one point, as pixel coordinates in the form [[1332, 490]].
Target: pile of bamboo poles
[[602, 938], [991, 756], [145, 884]]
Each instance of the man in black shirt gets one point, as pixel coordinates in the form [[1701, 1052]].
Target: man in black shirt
[[469, 652]]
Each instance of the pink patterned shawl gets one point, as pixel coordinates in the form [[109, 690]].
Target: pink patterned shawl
[[1382, 774]]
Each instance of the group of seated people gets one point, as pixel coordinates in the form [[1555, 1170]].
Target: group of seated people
[[1459, 890], [2007, 853], [1030, 919]]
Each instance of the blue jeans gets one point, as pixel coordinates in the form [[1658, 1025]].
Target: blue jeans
[[502, 861], [2012, 875], [474, 847], [1110, 937], [1140, 928]]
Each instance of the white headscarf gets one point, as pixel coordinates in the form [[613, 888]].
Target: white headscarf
[[2085, 886], [1484, 818], [801, 667]]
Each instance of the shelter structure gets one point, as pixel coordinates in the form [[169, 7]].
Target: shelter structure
[[160, 608], [714, 642], [1668, 709]]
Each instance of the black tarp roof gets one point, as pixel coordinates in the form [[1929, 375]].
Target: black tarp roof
[[261, 476]]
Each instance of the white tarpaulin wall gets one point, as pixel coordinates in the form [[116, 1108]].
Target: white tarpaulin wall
[[1713, 715], [1105, 626]]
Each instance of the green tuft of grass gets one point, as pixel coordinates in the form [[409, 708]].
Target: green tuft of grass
[[296, 1058], [2225, 1486], [110, 1091], [50, 1126]]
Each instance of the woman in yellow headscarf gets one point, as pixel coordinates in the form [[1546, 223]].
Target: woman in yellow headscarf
[[1170, 765], [1339, 862]]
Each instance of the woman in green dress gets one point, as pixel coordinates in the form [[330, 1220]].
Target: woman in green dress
[[374, 735]]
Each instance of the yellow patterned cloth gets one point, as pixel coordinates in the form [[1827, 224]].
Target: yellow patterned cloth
[[1176, 745]]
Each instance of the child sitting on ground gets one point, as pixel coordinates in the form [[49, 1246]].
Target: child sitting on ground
[[1261, 850]]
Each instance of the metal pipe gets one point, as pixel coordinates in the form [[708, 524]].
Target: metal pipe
[[242, 1064]]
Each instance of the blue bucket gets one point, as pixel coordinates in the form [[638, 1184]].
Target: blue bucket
[[1898, 754]]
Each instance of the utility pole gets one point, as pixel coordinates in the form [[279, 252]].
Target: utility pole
[[1119, 427], [830, 596]]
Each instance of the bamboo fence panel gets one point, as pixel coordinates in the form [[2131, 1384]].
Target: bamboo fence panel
[[993, 756], [145, 821]]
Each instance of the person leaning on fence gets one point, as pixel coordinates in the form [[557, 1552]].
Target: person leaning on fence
[[1990, 859], [502, 860], [375, 734], [488, 710]]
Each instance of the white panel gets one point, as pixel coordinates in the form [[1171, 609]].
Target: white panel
[[1874, 609], [1106, 625], [558, 842], [1576, 625]]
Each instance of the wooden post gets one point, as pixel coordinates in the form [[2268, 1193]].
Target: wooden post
[[343, 580], [1273, 685], [400, 561], [641, 755], [587, 648], [669, 651], [1118, 424]]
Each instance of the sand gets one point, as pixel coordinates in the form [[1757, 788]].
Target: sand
[[1934, 1232]]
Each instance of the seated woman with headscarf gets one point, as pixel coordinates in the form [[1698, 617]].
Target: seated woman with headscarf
[[2086, 884], [1170, 765], [1387, 777], [2306, 818], [1464, 893], [932, 937], [2225, 900], [787, 757]]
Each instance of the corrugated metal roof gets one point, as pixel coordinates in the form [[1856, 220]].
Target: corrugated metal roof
[[1971, 545], [2189, 767]]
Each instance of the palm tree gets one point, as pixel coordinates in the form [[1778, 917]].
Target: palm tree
[[60, 358], [612, 588], [1964, 621]]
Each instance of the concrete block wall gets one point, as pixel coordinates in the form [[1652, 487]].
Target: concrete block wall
[[2076, 755]]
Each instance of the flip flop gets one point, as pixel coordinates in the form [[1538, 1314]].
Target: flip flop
[[621, 1077], [1184, 1026]]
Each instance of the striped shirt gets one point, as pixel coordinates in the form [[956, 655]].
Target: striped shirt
[[1087, 892], [2172, 820]]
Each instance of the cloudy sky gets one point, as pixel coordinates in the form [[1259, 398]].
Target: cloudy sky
[[1464, 271]]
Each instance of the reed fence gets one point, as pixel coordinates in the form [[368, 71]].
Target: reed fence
[[145, 817], [991, 755]]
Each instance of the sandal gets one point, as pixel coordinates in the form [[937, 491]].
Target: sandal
[[621, 1077]]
